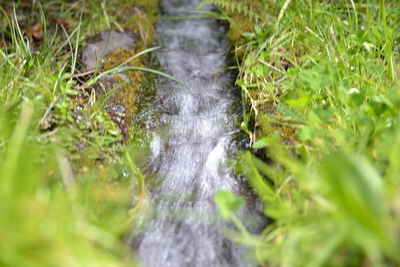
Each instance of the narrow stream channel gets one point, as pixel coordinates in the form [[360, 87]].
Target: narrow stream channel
[[191, 147]]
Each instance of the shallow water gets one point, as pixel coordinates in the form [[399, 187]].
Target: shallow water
[[191, 147]]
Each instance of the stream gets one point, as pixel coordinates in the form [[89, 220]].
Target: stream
[[191, 146]]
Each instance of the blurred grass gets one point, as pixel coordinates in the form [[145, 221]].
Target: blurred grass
[[43, 224], [321, 83]]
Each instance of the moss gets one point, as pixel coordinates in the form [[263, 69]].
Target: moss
[[242, 25], [243, 18], [139, 18], [126, 95]]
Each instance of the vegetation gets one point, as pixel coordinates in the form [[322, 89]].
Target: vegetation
[[321, 80], [67, 179]]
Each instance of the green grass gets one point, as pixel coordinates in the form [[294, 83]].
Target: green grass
[[44, 224], [320, 79], [60, 205]]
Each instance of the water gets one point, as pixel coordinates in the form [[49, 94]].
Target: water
[[191, 147]]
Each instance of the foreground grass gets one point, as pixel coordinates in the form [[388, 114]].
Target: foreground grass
[[321, 80], [66, 180]]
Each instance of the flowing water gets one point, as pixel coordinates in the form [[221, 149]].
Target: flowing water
[[191, 147]]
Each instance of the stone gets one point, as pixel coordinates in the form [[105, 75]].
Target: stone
[[103, 44]]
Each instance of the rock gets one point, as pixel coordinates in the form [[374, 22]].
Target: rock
[[103, 44]]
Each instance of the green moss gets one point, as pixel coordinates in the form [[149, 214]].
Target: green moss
[[242, 24], [126, 94], [139, 18]]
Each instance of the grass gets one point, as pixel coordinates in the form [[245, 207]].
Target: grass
[[67, 181], [321, 83]]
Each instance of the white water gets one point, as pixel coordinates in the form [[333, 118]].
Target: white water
[[190, 150]]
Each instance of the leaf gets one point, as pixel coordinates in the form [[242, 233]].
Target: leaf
[[249, 35], [288, 111], [261, 187], [319, 77], [300, 102], [227, 203], [263, 142], [305, 134], [357, 189]]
